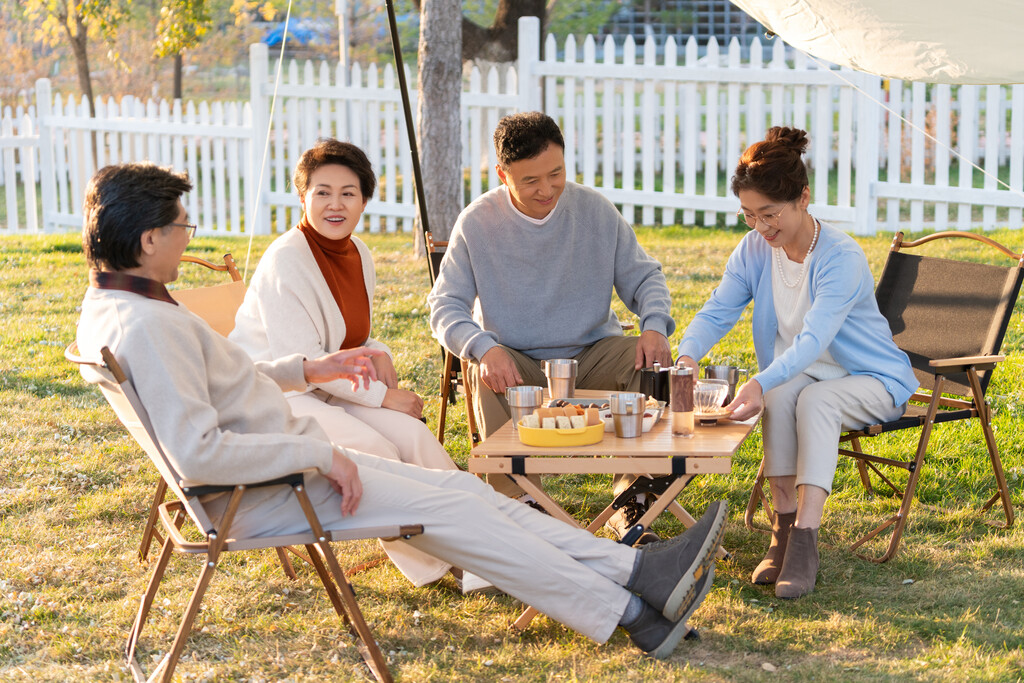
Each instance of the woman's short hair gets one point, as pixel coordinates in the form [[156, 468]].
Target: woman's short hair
[[773, 167], [328, 151], [524, 136], [122, 202]]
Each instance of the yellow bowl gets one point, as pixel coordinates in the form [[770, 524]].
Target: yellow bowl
[[581, 436]]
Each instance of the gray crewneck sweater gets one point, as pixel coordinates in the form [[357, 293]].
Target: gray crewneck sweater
[[545, 289]]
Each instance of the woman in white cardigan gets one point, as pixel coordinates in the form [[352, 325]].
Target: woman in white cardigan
[[312, 294]]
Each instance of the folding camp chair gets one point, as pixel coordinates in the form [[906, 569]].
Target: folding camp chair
[[217, 305], [121, 395], [950, 318], [453, 368]]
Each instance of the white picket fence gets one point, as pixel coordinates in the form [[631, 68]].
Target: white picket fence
[[658, 135]]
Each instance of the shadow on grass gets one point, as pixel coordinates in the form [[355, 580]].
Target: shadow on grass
[[66, 248]]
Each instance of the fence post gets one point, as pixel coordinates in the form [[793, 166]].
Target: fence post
[[529, 54], [44, 107], [257, 218], [867, 158]]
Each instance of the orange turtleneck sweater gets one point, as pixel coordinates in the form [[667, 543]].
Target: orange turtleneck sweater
[[342, 268]]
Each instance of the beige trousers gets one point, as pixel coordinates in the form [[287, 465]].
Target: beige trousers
[[564, 571], [388, 434], [804, 417], [606, 364]]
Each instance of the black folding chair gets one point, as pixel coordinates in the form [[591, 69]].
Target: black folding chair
[[950, 318]]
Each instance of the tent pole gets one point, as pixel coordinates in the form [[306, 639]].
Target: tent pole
[[421, 199]]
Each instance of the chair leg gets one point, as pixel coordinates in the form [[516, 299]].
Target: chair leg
[[899, 520], [985, 416], [171, 658], [316, 559], [346, 596], [862, 469], [474, 433], [150, 532], [446, 388], [286, 564], [215, 543], [758, 498], [147, 598]]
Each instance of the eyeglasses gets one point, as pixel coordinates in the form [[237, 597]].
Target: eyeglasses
[[751, 219], [191, 227]]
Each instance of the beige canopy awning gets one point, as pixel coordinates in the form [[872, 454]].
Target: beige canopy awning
[[936, 41]]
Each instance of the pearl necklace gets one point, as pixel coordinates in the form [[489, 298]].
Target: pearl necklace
[[803, 266]]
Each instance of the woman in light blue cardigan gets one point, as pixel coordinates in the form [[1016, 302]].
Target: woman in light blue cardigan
[[826, 358]]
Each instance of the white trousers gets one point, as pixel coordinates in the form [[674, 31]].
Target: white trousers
[[389, 434], [804, 417], [563, 571]]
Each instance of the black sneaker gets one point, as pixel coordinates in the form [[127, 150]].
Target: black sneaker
[[626, 517], [669, 573], [656, 635]]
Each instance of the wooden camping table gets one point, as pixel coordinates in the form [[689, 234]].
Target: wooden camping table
[[658, 454]]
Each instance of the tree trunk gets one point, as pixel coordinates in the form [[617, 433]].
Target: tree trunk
[[438, 116], [499, 42], [178, 67], [79, 42]]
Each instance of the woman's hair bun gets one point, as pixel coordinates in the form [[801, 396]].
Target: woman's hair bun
[[773, 166], [792, 138]]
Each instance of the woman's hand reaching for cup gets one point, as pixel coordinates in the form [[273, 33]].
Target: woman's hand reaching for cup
[[749, 401]]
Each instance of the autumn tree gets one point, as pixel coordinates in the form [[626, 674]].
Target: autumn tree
[[182, 25], [78, 21]]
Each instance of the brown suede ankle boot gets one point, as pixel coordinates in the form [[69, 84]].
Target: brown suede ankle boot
[[768, 571], [800, 566]]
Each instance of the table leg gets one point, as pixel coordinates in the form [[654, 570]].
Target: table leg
[[658, 506], [546, 501]]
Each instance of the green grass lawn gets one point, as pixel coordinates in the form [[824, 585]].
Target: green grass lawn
[[74, 489]]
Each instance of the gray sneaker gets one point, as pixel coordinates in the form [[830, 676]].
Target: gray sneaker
[[669, 573], [656, 635]]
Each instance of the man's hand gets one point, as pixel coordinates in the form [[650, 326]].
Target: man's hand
[[653, 346], [498, 371], [344, 478], [355, 365], [386, 370], [403, 401], [749, 401]]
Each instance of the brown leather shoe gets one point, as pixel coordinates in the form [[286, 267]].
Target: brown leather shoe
[[800, 566], [768, 571]]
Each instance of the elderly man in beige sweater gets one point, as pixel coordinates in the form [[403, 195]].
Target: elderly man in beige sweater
[[221, 419]]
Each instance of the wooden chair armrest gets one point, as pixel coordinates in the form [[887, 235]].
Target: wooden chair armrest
[[948, 365]]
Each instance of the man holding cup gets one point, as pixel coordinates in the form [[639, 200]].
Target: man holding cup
[[536, 259]]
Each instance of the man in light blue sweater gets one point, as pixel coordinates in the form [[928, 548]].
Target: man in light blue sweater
[[528, 276]]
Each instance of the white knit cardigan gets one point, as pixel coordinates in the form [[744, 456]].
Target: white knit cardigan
[[289, 308]]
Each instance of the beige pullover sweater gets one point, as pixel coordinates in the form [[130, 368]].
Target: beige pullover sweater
[[219, 418]]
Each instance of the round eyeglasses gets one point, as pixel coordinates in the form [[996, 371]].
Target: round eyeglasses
[[751, 219], [191, 227]]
